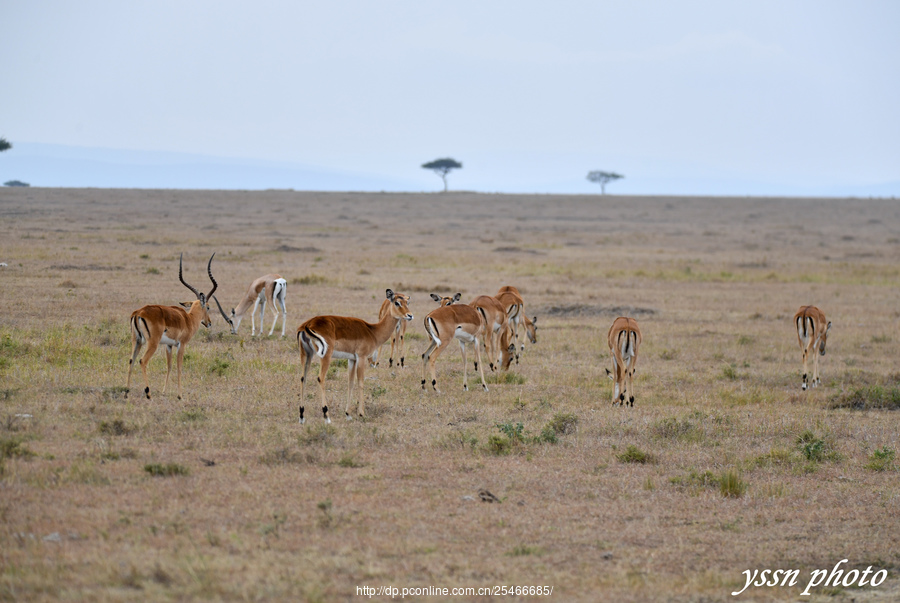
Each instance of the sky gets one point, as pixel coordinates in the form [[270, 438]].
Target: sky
[[688, 97]]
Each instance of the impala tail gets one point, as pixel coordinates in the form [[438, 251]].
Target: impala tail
[[312, 342]]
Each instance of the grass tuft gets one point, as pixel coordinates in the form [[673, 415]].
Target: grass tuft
[[882, 460], [731, 485], [167, 470], [633, 454]]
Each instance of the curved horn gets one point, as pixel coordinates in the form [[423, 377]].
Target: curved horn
[[181, 278], [209, 271], [225, 316]]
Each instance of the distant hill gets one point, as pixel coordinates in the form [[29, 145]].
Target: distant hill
[[67, 166]]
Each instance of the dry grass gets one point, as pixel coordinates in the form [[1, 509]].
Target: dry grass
[[223, 496]]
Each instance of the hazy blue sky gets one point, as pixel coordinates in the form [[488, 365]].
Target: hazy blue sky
[[680, 96]]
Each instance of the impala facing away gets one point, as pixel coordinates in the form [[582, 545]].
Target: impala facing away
[[270, 288], [624, 338], [445, 323], [512, 300], [496, 325], [345, 337], [396, 338], [812, 331], [171, 326]]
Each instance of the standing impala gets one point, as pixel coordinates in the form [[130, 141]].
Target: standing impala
[[270, 288], [496, 324], [397, 336], [512, 300], [445, 323], [350, 338], [624, 338], [171, 326], [812, 331]]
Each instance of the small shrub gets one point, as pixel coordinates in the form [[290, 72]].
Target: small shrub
[[882, 460], [524, 550], [168, 470], [729, 371], [192, 414], [673, 428], [668, 354], [12, 447], [115, 428], [515, 433], [219, 366], [745, 340], [152, 270], [695, 481], [285, 456], [875, 397], [548, 436], [633, 454], [310, 279], [563, 423], [498, 445], [731, 485], [348, 460]]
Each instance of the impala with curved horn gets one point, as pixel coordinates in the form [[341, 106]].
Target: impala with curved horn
[[270, 288], [172, 326]]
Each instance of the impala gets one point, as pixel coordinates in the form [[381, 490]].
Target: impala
[[172, 326], [446, 301], [624, 338], [512, 300], [350, 338], [397, 336], [496, 324], [445, 323], [270, 288], [812, 332]]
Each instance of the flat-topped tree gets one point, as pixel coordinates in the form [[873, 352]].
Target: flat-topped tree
[[442, 167], [602, 178], [5, 145]]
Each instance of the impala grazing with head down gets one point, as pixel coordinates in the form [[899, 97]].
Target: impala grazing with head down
[[172, 326], [270, 288], [512, 300], [624, 338], [445, 323], [812, 331], [398, 335], [349, 338]]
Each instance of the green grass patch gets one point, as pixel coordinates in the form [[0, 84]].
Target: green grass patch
[[167, 470], [882, 460], [505, 378], [694, 481], [873, 397], [310, 279], [732, 485], [633, 454]]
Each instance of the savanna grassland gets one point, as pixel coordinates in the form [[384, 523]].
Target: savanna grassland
[[723, 464]]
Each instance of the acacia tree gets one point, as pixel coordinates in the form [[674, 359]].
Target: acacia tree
[[602, 178], [442, 167], [4, 145]]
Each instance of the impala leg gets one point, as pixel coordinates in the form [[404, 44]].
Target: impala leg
[[275, 310], [351, 376], [305, 360], [283, 316], [480, 366], [394, 346], [253, 319], [426, 357], [360, 389], [462, 347], [815, 380], [138, 344], [262, 315], [400, 348], [151, 349], [615, 375], [629, 383], [431, 359], [178, 362], [805, 354], [168, 367], [323, 370]]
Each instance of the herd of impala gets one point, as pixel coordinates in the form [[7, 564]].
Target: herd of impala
[[493, 322]]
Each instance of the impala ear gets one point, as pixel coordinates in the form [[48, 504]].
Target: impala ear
[[457, 297], [185, 304], [828, 328], [534, 320], [435, 297], [389, 294]]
